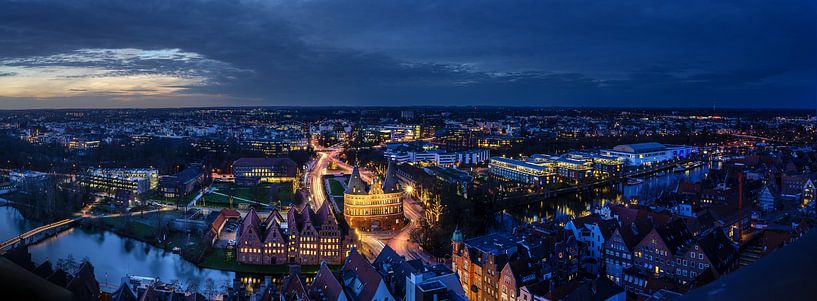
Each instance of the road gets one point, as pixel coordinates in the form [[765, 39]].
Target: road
[[372, 243], [402, 243], [317, 194]]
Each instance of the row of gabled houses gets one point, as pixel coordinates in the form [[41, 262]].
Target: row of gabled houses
[[305, 236]]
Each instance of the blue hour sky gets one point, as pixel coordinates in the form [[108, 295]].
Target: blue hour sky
[[61, 54]]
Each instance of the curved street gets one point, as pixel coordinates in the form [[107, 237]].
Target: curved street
[[372, 243]]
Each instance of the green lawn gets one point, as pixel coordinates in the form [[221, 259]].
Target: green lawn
[[235, 190], [284, 194], [279, 192], [339, 201], [336, 187], [215, 198], [144, 228]]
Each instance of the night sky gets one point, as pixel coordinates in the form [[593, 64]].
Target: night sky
[[743, 53]]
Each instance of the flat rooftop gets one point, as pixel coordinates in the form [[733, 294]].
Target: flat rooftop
[[497, 243]]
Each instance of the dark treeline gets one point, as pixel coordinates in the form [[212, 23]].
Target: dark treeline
[[167, 155]]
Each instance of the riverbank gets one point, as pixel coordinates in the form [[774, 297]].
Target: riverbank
[[583, 202], [219, 260], [192, 248], [151, 228], [123, 235]]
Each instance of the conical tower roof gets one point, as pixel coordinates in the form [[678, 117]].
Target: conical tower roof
[[390, 184], [457, 235], [356, 184]]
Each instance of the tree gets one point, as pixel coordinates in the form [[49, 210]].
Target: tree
[[193, 285], [209, 288], [68, 264]]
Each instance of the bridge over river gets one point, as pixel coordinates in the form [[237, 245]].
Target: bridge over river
[[32, 235]]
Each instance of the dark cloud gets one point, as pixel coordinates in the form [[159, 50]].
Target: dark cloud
[[589, 53]]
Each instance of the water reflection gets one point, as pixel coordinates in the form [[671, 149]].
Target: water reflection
[[114, 256], [581, 204], [13, 223]]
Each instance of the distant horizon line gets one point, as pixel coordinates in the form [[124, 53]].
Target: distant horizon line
[[418, 107]]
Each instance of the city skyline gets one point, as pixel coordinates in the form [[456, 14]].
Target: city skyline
[[389, 150], [565, 54], [411, 204]]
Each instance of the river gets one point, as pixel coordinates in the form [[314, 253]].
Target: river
[[581, 204], [113, 256]]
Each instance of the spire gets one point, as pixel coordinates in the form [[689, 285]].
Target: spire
[[457, 236], [390, 184], [356, 184]]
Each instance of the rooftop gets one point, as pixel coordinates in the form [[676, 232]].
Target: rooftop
[[640, 147], [242, 162], [520, 163], [783, 275], [497, 243]]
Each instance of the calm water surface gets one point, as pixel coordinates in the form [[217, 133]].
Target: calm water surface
[[113, 256], [580, 204]]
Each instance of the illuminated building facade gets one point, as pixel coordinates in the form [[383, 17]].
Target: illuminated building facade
[[536, 173], [573, 168], [479, 262], [184, 182], [808, 194], [393, 133], [304, 237], [270, 147], [377, 208], [649, 153], [136, 180], [251, 171], [425, 153], [499, 142]]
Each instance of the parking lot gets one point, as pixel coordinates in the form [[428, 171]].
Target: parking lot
[[227, 234]]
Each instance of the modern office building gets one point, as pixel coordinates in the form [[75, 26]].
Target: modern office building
[[273, 147], [252, 171], [375, 207], [425, 153], [182, 183], [535, 173], [573, 168], [392, 133], [136, 180], [499, 142], [452, 176], [649, 153], [27, 180]]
